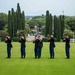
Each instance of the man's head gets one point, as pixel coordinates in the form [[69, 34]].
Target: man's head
[[51, 36]]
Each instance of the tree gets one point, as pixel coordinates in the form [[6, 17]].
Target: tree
[[71, 23], [47, 23], [9, 24], [12, 21], [32, 24], [50, 25], [55, 26], [19, 22], [15, 24], [23, 20], [62, 25], [3, 20], [59, 29], [16, 21]]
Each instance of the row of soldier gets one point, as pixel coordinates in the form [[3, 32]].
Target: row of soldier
[[38, 46]]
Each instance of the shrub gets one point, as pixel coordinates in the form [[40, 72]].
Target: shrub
[[2, 39], [44, 40], [16, 39]]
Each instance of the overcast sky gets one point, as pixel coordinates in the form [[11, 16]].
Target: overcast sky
[[38, 7]]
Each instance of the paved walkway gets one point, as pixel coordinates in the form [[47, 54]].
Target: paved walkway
[[31, 38]]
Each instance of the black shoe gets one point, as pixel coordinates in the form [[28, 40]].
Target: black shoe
[[21, 57], [68, 58], [35, 57], [50, 57], [38, 57], [8, 57]]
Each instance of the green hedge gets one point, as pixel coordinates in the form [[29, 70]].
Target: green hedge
[[44, 40], [15, 39], [2, 39]]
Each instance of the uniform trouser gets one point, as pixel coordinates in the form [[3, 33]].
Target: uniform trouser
[[8, 52], [40, 49], [23, 53], [52, 52], [67, 52], [38, 52], [35, 50]]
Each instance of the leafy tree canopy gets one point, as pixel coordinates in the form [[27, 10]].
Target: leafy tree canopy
[[3, 20]]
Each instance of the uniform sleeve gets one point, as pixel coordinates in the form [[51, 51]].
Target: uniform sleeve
[[33, 41], [42, 44], [19, 41], [49, 40], [6, 41]]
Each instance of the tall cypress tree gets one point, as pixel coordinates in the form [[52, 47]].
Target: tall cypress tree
[[62, 25], [47, 23], [23, 20], [55, 26], [16, 21], [15, 24], [19, 23], [9, 24], [50, 24], [12, 21], [59, 29]]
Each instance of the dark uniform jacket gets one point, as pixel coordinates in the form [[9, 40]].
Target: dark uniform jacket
[[38, 43], [67, 40], [8, 41], [22, 41], [51, 40]]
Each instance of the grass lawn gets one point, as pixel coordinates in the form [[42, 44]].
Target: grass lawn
[[31, 66]]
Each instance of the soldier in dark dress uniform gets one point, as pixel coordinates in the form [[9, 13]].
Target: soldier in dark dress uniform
[[35, 48], [51, 47], [38, 47], [9, 46], [23, 45], [67, 46]]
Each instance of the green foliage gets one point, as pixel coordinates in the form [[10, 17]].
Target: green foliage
[[71, 23], [59, 27], [50, 25], [16, 21], [47, 23], [32, 24], [2, 39], [69, 32], [23, 20], [15, 24], [3, 20], [3, 34], [19, 22], [44, 40], [55, 26], [16, 39], [27, 29]]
